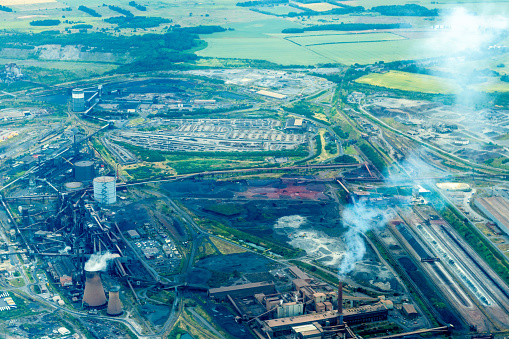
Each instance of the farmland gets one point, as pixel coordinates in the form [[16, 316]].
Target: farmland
[[320, 39], [319, 6], [410, 82], [276, 49]]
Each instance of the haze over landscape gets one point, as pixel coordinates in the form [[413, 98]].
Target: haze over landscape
[[299, 169]]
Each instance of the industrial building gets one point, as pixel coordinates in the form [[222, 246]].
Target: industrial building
[[295, 124], [78, 100], [497, 209], [221, 293], [312, 310]]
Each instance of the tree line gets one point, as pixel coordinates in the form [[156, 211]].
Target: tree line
[[89, 11], [47, 22], [137, 6], [5, 8], [121, 10], [137, 21]]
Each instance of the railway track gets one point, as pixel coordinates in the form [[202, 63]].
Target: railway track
[[459, 253]]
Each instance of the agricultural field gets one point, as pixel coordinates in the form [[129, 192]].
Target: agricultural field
[[429, 84], [319, 6], [279, 10], [411, 82], [331, 38]]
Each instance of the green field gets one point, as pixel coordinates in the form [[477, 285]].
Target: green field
[[411, 82], [279, 10], [318, 39], [263, 40]]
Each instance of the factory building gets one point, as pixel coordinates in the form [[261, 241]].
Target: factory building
[[497, 209], [284, 326], [239, 291], [409, 311], [62, 271], [294, 124]]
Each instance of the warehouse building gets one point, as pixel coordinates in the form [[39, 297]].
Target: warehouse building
[[497, 209]]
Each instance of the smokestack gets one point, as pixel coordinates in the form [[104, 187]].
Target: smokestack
[[94, 295], [340, 302], [114, 305]]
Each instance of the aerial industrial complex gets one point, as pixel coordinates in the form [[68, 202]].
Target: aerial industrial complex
[[152, 188]]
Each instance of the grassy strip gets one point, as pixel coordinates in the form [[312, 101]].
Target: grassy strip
[[481, 245], [237, 155], [313, 270], [225, 209], [373, 156], [229, 232]]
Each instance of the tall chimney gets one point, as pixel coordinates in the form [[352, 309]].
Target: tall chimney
[[340, 302], [114, 305], [94, 295]]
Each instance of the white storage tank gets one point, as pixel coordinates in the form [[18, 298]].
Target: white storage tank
[[73, 186], [105, 190]]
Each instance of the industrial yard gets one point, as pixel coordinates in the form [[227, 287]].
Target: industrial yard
[[121, 214]]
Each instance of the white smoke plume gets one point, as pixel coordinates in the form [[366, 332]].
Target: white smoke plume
[[463, 40], [360, 219], [98, 262]]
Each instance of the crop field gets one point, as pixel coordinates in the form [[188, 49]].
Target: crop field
[[492, 85], [319, 7], [321, 39], [410, 82], [268, 48], [279, 50], [280, 9]]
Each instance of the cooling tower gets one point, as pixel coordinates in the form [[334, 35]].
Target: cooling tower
[[94, 295], [114, 305]]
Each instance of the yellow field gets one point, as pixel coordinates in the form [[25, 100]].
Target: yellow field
[[410, 82], [319, 7], [23, 2]]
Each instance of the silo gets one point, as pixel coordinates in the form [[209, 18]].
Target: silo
[[78, 100], [94, 295], [73, 186], [84, 170], [105, 190], [114, 304]]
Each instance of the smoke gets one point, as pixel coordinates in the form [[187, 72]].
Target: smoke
[[98, 262], [467, 41], [360, 220]]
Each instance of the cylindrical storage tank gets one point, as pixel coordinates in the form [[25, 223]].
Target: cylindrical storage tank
[[94, 295], [105, 190], [114, 305], [73, 186], [78, 100], [84, 170]]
